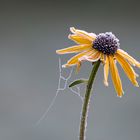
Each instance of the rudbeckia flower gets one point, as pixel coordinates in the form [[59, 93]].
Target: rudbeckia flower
[[106, 48]]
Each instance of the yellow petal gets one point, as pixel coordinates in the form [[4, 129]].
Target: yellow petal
[[102, 58], [78, 67], [80, 39], [128, 57], [75, 59], [94, 57], [106, 71], [115, 76], [90, 36], [127, 69], [74, 49]]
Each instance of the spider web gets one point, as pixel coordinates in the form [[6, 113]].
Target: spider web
[[75, 90]]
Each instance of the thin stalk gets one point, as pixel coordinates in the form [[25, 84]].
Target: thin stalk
[[85, 107]]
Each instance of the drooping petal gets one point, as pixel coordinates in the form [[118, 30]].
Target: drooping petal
[[78, 66], [128, 57], [80, 39], [127, 69], [84, 57], [102, 58], [90, 36], [93, 57], [74, 49], [75, 59], [106, 71], [115, 76]]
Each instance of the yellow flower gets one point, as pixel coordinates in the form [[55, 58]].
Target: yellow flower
[[103, 47]]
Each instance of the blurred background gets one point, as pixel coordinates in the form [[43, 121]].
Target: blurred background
[[30, 32]]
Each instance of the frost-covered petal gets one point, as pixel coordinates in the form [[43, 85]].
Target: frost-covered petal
[[106, 71], [115, 76], [127, 69], [74, 49], [80, 39], [75, 59], [128, 58], [90, 36], [94, 57]]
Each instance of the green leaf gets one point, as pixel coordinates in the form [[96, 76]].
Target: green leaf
[[79, 81]]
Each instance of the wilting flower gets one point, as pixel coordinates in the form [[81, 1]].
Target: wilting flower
[[103, 47]]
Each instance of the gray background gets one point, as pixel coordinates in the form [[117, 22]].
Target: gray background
[[30, 32]]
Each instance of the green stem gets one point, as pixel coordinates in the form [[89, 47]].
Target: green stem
[[87, 100]]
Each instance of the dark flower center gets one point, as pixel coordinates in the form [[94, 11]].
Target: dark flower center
[[106, 43]]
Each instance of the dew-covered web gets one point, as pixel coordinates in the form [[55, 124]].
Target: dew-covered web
[[75, 90]]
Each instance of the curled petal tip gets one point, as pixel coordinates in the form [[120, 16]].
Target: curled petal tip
[[137, 85], [72, 29], [106, 83], [81, 58], [120, 96], [69, 36], [58, 51], [64, 66]]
